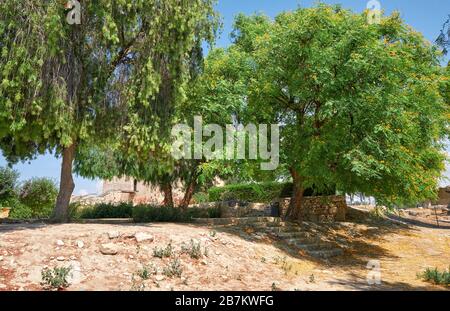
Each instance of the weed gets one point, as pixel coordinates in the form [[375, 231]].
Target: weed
[[173, 269], [55, 278], [137, 286], [194, 249], [312, 278], [213, 233], [163, 252], [436, 277], [146, 271]]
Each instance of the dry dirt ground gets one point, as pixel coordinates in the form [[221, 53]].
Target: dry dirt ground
[[236, 259]]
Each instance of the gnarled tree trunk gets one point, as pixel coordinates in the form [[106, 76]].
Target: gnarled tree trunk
[[188, 194], [295, 207], [66, 186], [168, 195]]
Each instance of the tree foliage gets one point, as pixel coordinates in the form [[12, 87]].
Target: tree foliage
[[64, 87], [361, 106]]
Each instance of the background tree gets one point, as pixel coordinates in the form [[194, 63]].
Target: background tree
[[360, 105], [9, 179], [63, 87], [39, 195]]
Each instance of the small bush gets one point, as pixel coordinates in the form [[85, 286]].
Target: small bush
[[146, 271], [436, 277], [163, 252], [39, 194], [193, 249], [173, 269], [20, 211], [8, 187], [200, 197], [146, 213], [122, 210], [55, 278]]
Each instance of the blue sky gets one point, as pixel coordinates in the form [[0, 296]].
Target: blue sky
[[426, 16]]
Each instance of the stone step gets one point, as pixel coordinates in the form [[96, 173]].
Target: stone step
[[293, 235], [325, 254], [237, 221]]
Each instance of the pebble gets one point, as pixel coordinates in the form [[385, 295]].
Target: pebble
[[113, 235], [80, 244], [60, 258], [59, 243], [159, 278]]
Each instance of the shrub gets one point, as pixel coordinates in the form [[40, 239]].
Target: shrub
[[147, 213], [8, 187], [122, 210], [260, 193], [20, 211], [163, 252], [39, 194], [436, 277], [200, 197], [194, 250], [55, 278], [173, 269]]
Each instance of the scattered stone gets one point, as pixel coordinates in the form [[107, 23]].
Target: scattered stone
[[142, 237], [52, 257], [113, 235], [73, 258], [2, 286], [159, 278], [129, 235], [204, 262], [131, 257], [59, 243], [60, 258], [80, 244], [1, 258], [109, 249], [217, 253]]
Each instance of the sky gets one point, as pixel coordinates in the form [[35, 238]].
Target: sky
[[426, 16]]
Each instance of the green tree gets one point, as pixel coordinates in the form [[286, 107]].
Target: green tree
[[39, 195], [361, 106], [65, 87], [8, 186]]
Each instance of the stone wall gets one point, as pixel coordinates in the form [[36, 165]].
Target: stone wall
[[318, 209]]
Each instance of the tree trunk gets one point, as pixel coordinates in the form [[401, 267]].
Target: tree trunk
[[168, 196], [66, 186], [188, 194], [294, 211]]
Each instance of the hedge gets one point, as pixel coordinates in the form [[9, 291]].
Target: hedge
[[142, 213], [258, 193], [147, 213], [261, 192]]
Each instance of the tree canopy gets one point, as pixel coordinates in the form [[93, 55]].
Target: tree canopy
[[361, 106], [117, 73]]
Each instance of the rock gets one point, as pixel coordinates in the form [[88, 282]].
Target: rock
[[141, 237], [59, 243], [109, 249], [80, 244], [1, 258], [159, 278], [73, 258], [60, 258], [113, 235], [131, 256], [204, 262]]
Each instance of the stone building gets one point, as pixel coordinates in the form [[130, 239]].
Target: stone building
[[129, 190]]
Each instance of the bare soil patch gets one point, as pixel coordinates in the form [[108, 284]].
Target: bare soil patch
[[231, 258]]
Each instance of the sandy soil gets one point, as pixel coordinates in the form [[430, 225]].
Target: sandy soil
[[235, 260]]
